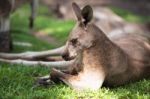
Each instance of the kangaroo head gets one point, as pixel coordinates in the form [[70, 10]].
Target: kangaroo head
[[80, 38]]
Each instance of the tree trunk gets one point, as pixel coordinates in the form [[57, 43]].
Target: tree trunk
[[5, 37]]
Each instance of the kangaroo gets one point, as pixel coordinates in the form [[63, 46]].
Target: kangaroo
[[6, 8], [101, 60], [93, 58]]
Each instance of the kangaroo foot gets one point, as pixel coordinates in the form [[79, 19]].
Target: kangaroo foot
[[43, 81]]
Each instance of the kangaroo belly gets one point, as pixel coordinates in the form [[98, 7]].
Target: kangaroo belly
[[88, 80]]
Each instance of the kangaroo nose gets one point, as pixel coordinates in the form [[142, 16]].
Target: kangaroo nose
[[66, 56]]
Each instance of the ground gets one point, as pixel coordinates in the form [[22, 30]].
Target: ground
[[16, 81]]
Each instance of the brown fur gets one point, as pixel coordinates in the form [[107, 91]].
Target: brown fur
[[103, 60]]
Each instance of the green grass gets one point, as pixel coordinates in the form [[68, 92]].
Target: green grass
[[45, 22], [16, 81]]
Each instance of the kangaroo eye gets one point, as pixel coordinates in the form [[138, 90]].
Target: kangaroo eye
[[74, 41]]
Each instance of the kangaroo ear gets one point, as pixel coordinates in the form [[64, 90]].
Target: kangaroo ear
[[87, 14], [77, 11]]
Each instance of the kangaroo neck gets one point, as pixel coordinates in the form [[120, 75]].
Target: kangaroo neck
[[102, 53]]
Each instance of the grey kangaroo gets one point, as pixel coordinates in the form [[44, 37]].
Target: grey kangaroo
[[93, 58], [101, 61]]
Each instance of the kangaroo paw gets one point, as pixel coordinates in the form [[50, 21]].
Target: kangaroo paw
[[43, 81]]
